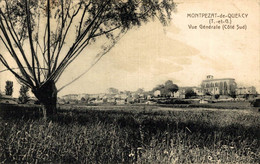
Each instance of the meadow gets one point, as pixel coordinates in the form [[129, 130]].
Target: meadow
[[132, 134]]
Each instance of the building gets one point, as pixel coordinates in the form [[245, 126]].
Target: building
[[71, 97], [223, 86], [182, 91], [246, 90], [198, 91]]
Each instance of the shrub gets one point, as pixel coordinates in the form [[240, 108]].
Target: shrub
[[217, 96], [9, 88], [190, 93], [23, 98]]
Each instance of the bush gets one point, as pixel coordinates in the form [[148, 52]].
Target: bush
[[173, 101], [255, 103], [83, 99], [9, 88], [217, 96], [23, 98], [190, 93]]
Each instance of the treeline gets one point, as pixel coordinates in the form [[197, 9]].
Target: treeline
[[23, 92], [165, 90]]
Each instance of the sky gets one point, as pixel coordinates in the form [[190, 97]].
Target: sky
[[152, 54]]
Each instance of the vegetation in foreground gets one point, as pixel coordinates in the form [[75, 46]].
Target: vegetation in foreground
[[126, 136]]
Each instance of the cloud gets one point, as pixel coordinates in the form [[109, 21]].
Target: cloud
[[149, 49], [217, 63]]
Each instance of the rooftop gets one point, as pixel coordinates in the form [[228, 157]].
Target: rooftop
[[218, 79]]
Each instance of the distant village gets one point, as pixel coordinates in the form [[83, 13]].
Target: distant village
[[210, 90]]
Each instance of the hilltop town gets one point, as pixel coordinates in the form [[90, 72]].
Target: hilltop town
[[210, 90]]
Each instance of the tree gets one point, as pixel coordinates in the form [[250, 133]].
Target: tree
[[161, 88], [82, 99], [140, 91], [9, 88], [171, 87], [190, 93], [113, 90], [217, 96], [233, 94], [128, 93], [34, 34], [167, 88], [23, 98]]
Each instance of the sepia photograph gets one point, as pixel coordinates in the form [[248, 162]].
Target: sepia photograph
[[130, 81]]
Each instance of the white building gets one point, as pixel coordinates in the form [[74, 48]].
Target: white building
[[223, 86], [246, 90]]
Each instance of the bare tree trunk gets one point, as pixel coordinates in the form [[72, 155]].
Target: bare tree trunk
[[47, 95]]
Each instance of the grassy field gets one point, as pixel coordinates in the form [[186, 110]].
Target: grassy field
[[133, 134]]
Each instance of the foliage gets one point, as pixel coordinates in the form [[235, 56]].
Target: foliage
[[83, 99], [113, 90], [190, 93], [140, 91], [170, 86], [217, 96], [23, 98], [133, 136], [208, 93], [233, 94], [9, 88], [167, 88], [255, 103], [173, 101], [246, 96], [128, 93]]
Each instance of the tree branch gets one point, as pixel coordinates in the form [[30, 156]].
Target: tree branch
[[48, 37], [3, 61], [34, 57], [13, 54], [17, 42], [99, 56]]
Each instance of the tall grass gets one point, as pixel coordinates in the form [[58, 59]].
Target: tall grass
[[127, 136]]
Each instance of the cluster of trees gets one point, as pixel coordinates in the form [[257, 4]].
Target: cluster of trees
[[34, 33], [189, 93], [23, 97], [167, 88]]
